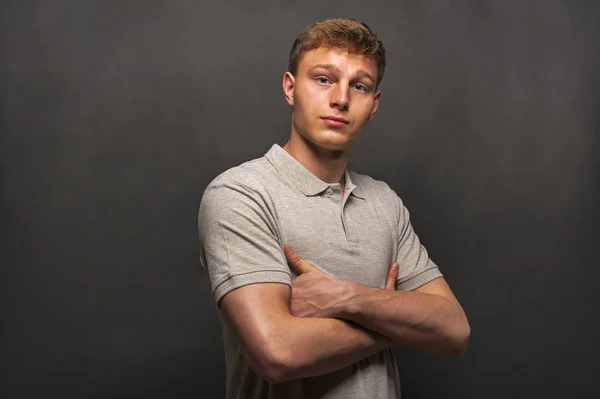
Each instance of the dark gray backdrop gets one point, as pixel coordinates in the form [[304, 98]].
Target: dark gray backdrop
[[117, 114]]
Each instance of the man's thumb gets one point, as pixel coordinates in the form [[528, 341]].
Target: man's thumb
[[297, 263], [390, 283]]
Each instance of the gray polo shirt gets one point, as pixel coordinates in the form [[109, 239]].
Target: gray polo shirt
[[249, 212]]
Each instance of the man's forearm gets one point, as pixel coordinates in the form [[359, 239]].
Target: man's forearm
[[427, 322], [306, 347]]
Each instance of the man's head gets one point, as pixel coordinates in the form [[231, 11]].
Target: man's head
[[335, 68]]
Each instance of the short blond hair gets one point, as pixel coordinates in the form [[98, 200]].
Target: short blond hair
[[343, 33]]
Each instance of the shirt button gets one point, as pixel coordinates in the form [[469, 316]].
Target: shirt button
[[329, 191]]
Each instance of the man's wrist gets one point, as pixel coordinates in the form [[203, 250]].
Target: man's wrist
[[347, 304]]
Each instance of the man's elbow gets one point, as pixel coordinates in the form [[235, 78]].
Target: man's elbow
[[270, 361], [274, 369], [459, 339]]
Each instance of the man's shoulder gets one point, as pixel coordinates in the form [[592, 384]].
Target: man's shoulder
[[250, 174], [247, 181]]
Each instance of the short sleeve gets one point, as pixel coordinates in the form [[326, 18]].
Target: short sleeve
[[239, 242], [415, 267]]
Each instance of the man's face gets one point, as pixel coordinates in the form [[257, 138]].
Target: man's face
[[333, 96]]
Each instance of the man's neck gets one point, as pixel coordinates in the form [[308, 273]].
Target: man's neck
[[327, 165]]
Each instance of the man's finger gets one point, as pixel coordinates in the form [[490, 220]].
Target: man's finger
[[298, 264], [392, 276]]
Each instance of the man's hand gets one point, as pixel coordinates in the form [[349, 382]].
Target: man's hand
[[315, 294]]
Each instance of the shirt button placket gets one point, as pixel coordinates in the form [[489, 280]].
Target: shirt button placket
[[351, 235]]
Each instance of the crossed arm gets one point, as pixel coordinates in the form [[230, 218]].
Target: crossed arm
[[323, 324]]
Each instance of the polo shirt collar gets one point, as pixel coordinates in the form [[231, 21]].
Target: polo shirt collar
[[301, 177]]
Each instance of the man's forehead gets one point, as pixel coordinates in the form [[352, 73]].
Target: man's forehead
[[335, 55]]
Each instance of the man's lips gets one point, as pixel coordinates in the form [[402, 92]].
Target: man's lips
[[333, 121], [333, 118]]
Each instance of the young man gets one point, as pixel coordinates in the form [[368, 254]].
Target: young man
[[298, 248]]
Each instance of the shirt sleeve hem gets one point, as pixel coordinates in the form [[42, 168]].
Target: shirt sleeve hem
[[419, 280], [233, 282]]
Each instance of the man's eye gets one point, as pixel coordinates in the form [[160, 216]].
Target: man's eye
[[322, 80], [360, 87]]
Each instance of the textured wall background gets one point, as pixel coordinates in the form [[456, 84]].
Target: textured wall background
[[117, 114]]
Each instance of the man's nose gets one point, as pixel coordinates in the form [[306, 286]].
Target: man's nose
[[340, 97]]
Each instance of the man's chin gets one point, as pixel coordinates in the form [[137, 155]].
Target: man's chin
[[335, 140], [330, 145], [329, 140]]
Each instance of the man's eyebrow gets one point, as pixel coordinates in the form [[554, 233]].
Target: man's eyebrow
[[326, 66], [363, 74], [359, 74]]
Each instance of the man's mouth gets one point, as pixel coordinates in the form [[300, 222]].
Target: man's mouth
[[336, 119]]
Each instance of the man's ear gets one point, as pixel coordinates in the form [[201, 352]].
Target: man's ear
[[375, 104], [289, 82]]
